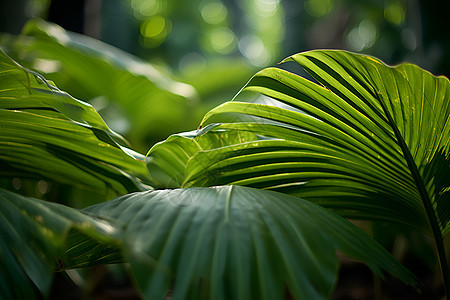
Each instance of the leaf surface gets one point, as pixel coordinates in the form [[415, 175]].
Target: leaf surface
[[369, 141], [45, 133], [234, 242], [34, 235], [136, 95]]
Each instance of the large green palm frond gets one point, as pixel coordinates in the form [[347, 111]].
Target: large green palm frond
[[201, 243], [369, 141], [234, 242]]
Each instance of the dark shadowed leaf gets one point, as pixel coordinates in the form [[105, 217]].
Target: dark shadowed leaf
[[34, 235]]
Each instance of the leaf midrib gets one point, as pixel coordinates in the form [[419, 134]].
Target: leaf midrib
[[424, 197]]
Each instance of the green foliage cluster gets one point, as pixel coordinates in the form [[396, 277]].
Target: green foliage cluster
[[250, 205]]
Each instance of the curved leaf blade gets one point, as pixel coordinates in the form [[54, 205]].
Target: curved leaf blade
[[169, 159], [45, 133], [388, 121], [145, 95], [34, 236]]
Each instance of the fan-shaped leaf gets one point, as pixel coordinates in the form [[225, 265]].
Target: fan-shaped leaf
[[234, 242], [372, 141], [365, 143]]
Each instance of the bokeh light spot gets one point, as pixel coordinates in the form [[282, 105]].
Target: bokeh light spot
[[16, 183], [253, 49], [154, 30], [223, 40], [267, 8], [214, 12], [394, 13], [362, 36], [147, 8], [153, 27], [43, 187], [318, 8]]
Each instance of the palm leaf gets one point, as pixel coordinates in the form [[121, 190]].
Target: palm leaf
[[34, 234], [233, 242], [340, 139], [169, 158], [45, 133], [371, 141], [146, 96]]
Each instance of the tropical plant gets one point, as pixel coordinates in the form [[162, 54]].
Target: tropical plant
[[373, 139], [124, 88], [371, 143]]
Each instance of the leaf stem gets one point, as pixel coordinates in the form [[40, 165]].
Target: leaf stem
[[426, 201], [438, 239]]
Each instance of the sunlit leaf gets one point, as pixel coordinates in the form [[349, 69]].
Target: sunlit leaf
[[149, 101], [371, 142], [45, 133], [169, 158]]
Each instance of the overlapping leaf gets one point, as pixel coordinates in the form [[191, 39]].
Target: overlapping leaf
[[34, 235], [45, 133], [169, 158], [149, 100], [365, 143], [234, 242]]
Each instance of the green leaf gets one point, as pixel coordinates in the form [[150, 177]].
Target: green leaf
[[169, 158], [370, 142], [366, 143], [45, 133], [34, 235], [233, 242], [145, 95]]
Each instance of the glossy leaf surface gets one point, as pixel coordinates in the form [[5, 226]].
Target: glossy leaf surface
[[45, 133], [234, 242], [370, 141]]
